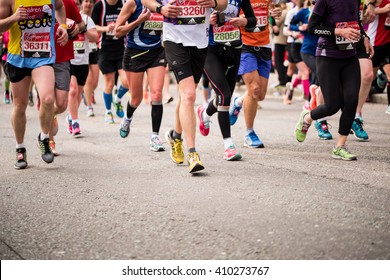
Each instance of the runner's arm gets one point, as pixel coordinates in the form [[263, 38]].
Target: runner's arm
[[7, 18], [121, 26]]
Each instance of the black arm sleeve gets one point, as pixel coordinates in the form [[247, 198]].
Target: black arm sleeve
[[316, 28], [249, 14]]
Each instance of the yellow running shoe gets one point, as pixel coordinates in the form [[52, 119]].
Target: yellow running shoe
[[177, 154], [194, 163]]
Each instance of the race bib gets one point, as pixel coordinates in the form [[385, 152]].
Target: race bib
[[226, 33], [110, 35], [154, 25], [79, 45], [191, 12], [261, 19], [342, 43], [35, 45]]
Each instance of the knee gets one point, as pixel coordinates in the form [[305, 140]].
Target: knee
[[188, 98], [367, 77], [47, 99], [256, 93], [156, 95]]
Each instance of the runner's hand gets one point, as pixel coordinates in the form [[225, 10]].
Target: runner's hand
[[369, 48], [351, 34], [238, 21], [206, 3], [170, 10], [20, 14], [62, 36]]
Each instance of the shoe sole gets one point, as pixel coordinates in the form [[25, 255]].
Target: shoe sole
[[197, 167], [358, 138], [346, 159], [233, 158], [253, 147], [20, 168], [157, 150]]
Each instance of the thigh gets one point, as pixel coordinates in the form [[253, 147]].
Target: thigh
[[44, 80]]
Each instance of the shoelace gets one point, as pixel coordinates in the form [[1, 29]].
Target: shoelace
[[178, 146], [359, 124], [44, 146], [305, 126]]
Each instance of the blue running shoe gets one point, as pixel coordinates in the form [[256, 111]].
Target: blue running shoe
[[124, 129], [234, 110], [119, 109], [358, 131], [253, 141], [323, 130]]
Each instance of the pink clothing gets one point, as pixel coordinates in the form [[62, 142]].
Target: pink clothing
[[5, 44]]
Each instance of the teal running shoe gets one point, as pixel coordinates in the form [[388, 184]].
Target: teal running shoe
[[124, 129], [323, 130], [358, 130]]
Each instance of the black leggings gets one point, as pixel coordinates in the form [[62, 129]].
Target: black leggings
[[222, 78], [340, 83], [221, 68], [279, 63]]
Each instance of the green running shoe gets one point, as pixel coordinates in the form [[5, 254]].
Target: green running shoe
[[302, 127], [342, 153]]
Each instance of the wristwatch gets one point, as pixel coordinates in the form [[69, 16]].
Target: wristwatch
[[158, 9]]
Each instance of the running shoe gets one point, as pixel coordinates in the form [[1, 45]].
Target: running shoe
[[177, 154], [44, 146], [69, 123], [55, 125], [302, 127], [231, 154], [323, 130], [194, 163], [204, 126], [342, 153], [109, 118], [118, 109], [388, 110], [30, 99], [52, 145], [253, 141], [288, 94], [7, 99], [90, 112], [358, 130], [313, 96], [76, 129], [234, 110], [124, 128], [156, 144], [21, 158]]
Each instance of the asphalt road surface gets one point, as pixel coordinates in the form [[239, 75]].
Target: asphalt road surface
[[106, 197]]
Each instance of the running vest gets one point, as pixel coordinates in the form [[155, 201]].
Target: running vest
[[147, 35], [260, 36], [32, 41], [227, 33], [81, 45], [379, 29], [191, 27]]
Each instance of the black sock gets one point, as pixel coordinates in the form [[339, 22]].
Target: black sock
[[176, 135], [129, 111], [224, 123], [156, 114], [211, 109]]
